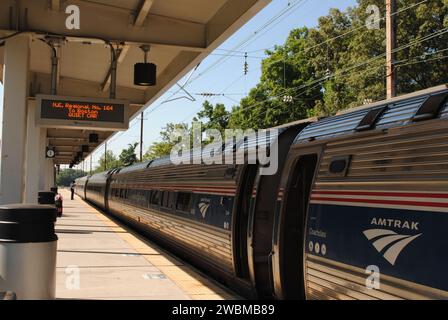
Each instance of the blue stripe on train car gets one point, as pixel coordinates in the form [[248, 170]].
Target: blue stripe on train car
[[410, 245]]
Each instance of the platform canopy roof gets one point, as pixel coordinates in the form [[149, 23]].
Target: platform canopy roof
[[181, 33]]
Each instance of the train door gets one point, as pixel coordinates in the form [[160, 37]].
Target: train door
[[290, 221], [107, 190], [240, 222]]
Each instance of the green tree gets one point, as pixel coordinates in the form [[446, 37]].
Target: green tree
[[213, 116], [112, 162], [66, 176], [354, 55], [167, 141], [276, 98], [128, 156], [338, 64], [341, 63]]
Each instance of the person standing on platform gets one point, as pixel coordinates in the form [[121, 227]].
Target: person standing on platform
[[72, 189]]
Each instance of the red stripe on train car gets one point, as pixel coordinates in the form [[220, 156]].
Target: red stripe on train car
[[384, 194], [386, 202]]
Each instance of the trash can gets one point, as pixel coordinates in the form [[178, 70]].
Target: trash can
[[28, 251], [46, 197], [58, 201]]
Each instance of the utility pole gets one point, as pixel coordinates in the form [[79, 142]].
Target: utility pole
[[90, 164], [141, 137], [105, 156], [391, 43]]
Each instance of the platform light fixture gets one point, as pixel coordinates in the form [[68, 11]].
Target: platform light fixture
[[93, 138], [145, 73]]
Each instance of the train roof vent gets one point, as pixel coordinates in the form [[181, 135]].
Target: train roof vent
[[370, 119], [431, 107], [149, 163], [165, 161], [254, 142], [135, 166], [332, 126], [400, 112]]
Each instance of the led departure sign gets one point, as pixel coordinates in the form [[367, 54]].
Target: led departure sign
[[77, 110], [55, 111]]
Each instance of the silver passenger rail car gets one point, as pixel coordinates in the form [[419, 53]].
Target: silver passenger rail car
[[211, 215], [97, 188], [363, 204], [80, 187]]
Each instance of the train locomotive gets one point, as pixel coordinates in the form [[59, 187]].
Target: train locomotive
[[356, 209]]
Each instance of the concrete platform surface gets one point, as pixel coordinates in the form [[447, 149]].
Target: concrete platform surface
[[100, 259]]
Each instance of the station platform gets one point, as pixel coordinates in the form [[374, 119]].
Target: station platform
[[99, 258]]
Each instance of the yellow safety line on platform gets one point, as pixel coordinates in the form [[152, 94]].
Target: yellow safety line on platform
[[185, 277]]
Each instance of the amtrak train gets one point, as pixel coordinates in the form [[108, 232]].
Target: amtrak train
[[358, 208]]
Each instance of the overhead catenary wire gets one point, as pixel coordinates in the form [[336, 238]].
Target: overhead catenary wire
[[117, 136], [399, 65], [240, 77], [421, 61], [290, 6], [317, 82], [308, 49], [235, 52], [354, 67], [281, 13], [350, 31], [344, 71], [405, 63]]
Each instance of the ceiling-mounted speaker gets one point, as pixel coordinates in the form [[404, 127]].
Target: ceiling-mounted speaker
[[85, 148], [145, 74], [93, 138]]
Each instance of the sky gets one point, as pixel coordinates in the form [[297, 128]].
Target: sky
[[225, 77]]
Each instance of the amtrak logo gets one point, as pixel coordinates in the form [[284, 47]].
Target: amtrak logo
[[203, 207], [382, 238]]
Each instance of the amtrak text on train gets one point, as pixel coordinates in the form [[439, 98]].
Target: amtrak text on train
[[395, 223]]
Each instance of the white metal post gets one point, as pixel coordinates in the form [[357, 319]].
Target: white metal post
[[42, 159], [33, 152], [12, 177]]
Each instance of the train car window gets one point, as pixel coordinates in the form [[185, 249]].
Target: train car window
[[154, 198], [171, 200], [339, 165], [167, 199], [147, 198], [144, 198], [183, 202], [164, 199], [130, 195], [431, 107], [138, 197]]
